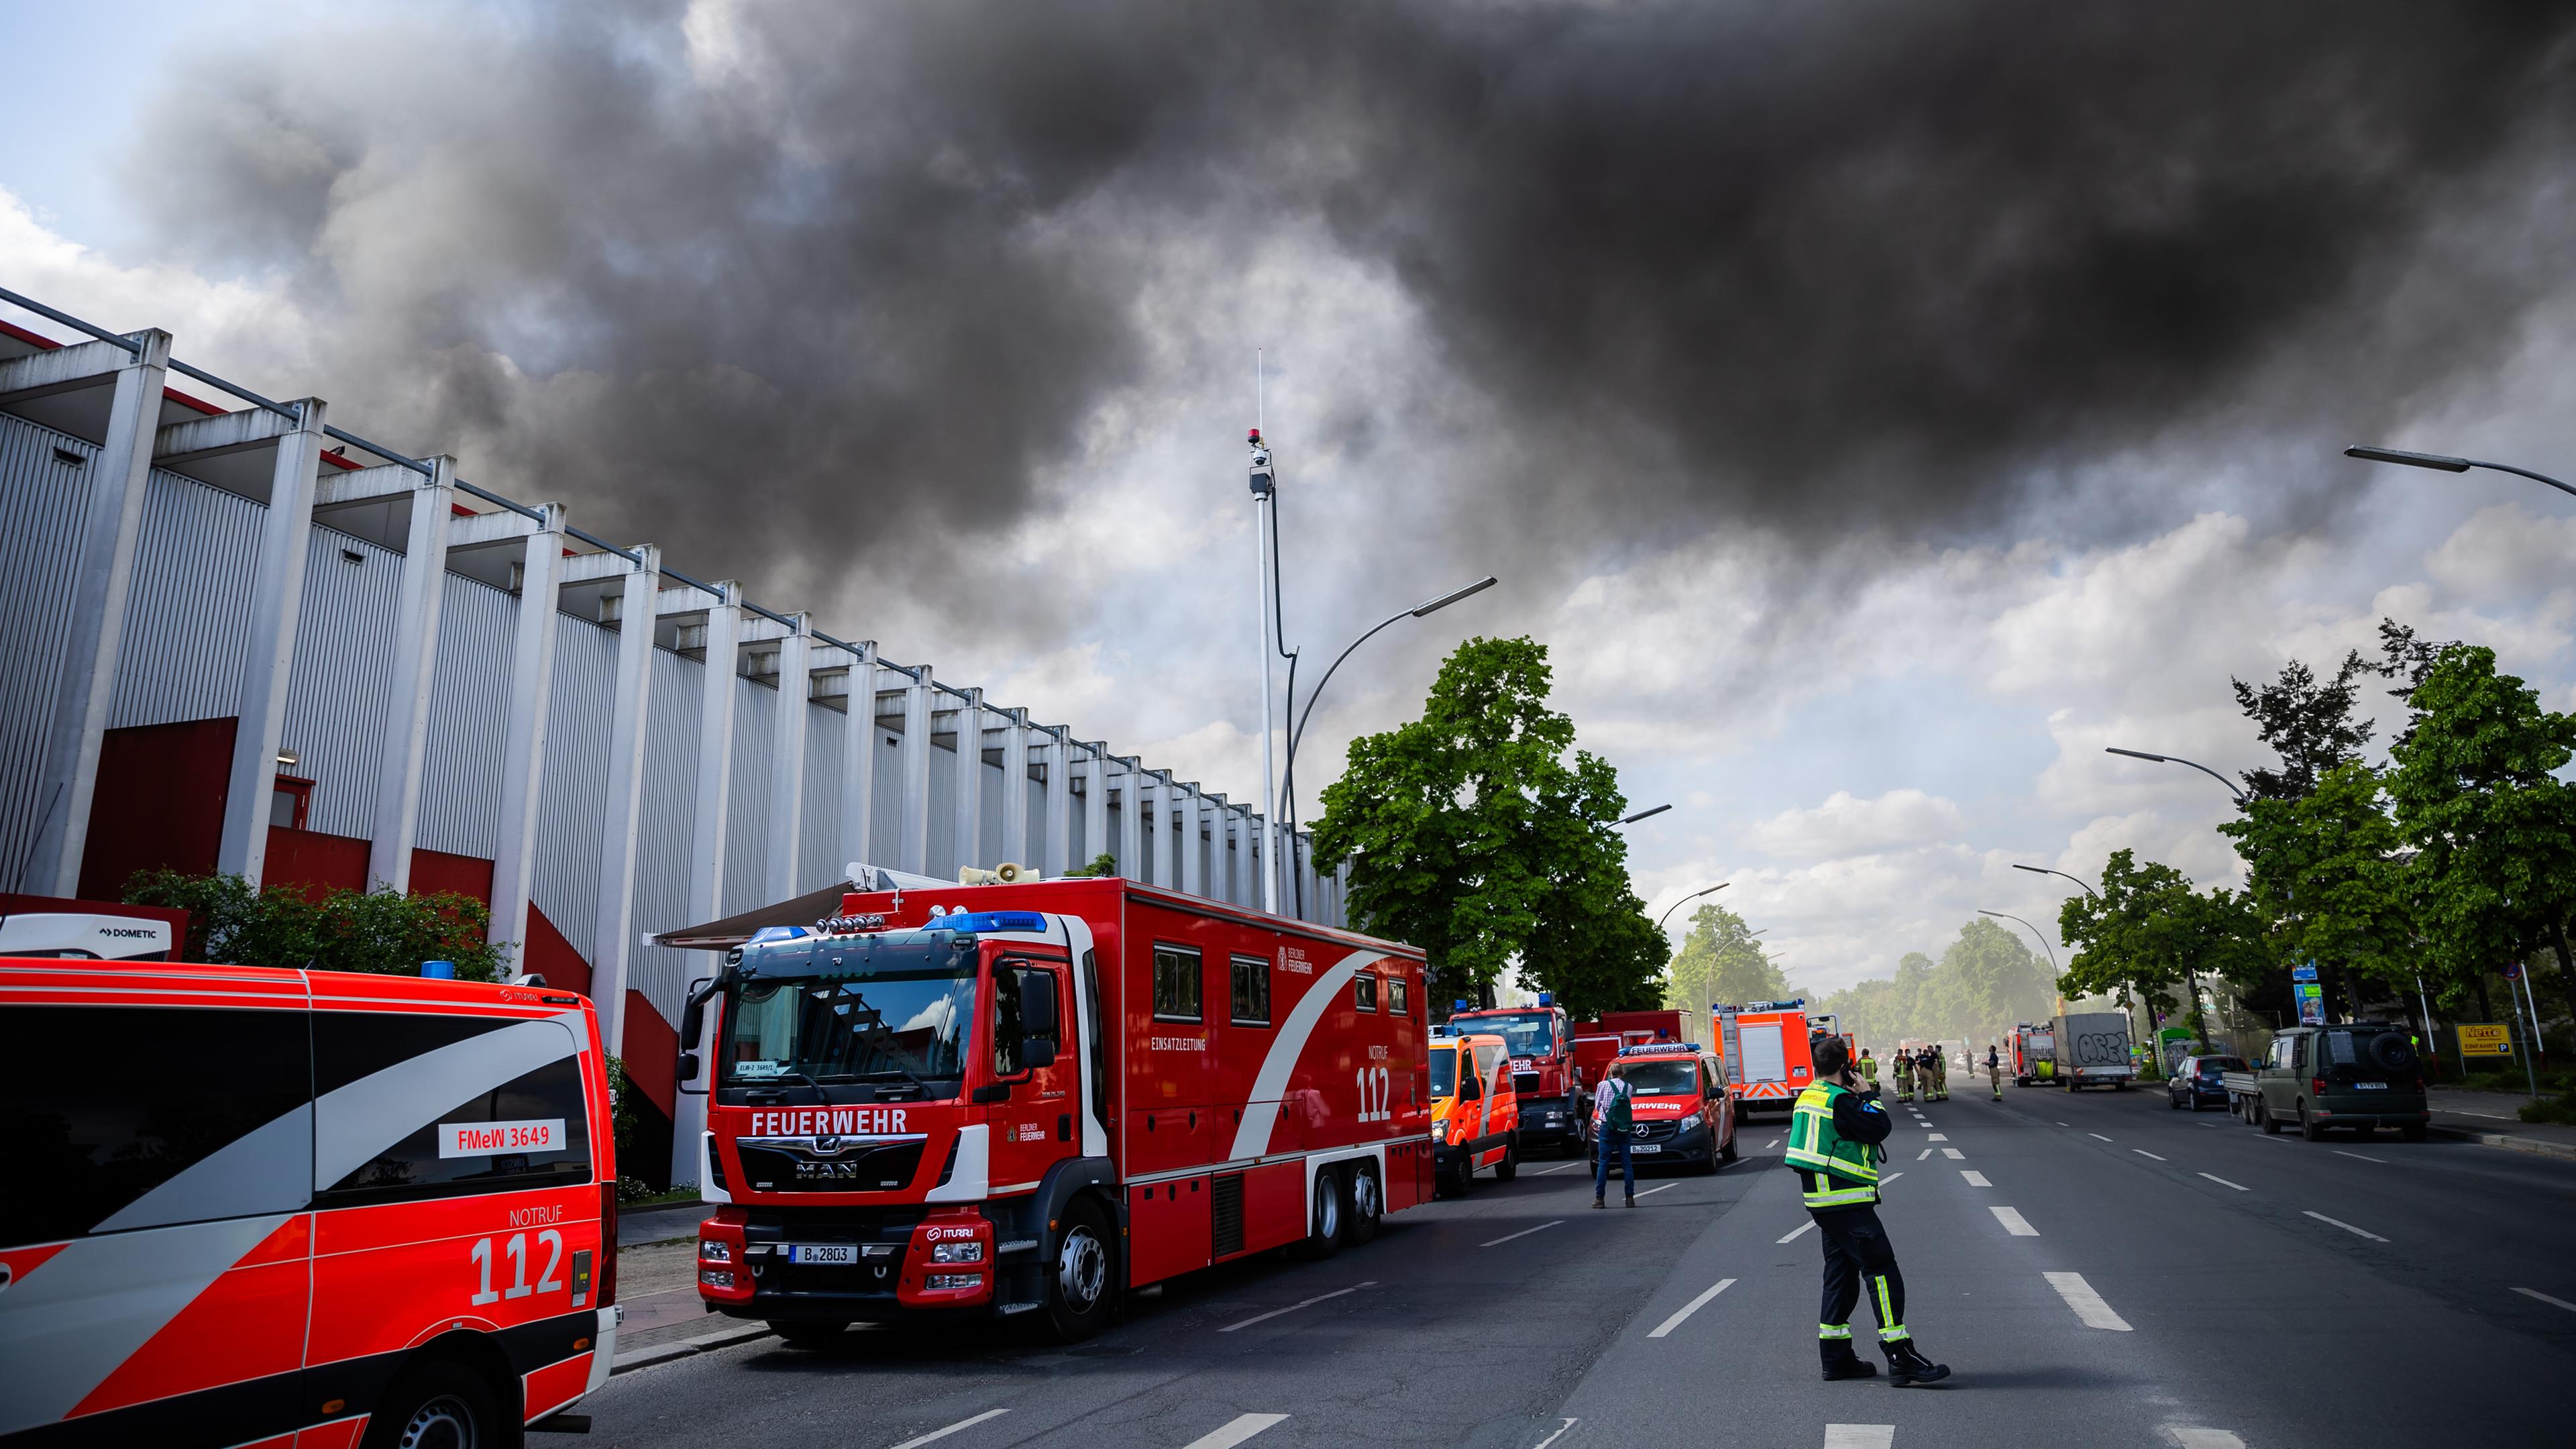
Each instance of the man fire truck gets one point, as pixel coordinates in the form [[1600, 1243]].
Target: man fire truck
[[1553, 1104], [1765, 1046], [1016, 1099]]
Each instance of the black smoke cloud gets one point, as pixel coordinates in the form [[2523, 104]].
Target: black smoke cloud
[[846, 281]]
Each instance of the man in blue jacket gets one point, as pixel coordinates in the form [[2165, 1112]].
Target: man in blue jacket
[[1836, 1134]]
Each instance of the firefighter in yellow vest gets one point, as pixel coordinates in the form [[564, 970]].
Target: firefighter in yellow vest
[[1939, 1066], [1835, 1137], [1869, 1069], [1904, 1075], [1995, 1070]]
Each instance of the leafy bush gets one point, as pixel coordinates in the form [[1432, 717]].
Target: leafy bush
[[1103, 864], [2560, 1112], [232, 923]]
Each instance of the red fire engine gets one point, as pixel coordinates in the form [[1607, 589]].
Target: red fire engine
[[1553, 1104], [1767, 1049], [272, 1208], [1028, 1098]]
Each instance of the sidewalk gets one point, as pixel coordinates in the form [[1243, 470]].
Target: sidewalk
[[2488, 1117], [659, 1224]]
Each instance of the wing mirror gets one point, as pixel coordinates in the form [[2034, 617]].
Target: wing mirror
[[1036, 1051]]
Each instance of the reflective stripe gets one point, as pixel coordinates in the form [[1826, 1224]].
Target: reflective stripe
[[1833, 1330], [1898, 1334], [1842, 1197], [1886, 1313]]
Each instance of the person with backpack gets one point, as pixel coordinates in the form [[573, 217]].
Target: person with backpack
[[1614, 1121]]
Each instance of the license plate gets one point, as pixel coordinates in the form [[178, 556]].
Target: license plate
[[2370, 1086], [841, 1254], [1644, 1147]]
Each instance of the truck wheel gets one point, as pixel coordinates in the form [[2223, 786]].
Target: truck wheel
[[2307, 1125], [806, 1333], [1510, 1167], [1324, 1219], [1368, 1204], [441, 1403], [1079, 1291]]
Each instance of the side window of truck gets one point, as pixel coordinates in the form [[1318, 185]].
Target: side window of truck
[[1364, 992], [1396, 997], [129, 1117], [1251, 990], [1010, 981], [1177, 979], [417, 1105]]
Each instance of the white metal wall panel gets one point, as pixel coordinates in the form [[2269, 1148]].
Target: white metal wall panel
[[337, 687], [187, 621], [941, 851], [572, 799], [469, 719], [40, 536], [662, 852], [885, 825], [746, 853], [819, 856]]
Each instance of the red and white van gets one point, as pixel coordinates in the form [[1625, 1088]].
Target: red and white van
[[1025, 1099], [309, 1208]]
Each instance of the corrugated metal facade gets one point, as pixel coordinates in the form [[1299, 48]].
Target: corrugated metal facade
[[573, 798], [338, 690], [469, 719], [746, 860], [40, 537], [669, 814], [187, 619]]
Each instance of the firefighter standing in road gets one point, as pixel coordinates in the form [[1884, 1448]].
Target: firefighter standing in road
[[1904, 1075], [1995, 1070], [1869, 1069], [1938, 1066], [1835, 1137]]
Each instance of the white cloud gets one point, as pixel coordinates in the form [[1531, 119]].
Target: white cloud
[[1846, 825]]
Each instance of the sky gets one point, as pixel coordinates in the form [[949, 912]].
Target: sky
[[1877, 409]]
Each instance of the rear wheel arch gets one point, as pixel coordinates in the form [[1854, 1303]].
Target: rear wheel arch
[[474, 1353]]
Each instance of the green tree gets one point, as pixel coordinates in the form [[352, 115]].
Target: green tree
[[2325, 874], [2494, 830], [231, 923], [1481, 834], [2307, 721], [2117, 936], [1721, 960], [1987, 979]]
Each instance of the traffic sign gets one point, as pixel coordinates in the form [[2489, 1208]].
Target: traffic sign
[[2485, 1039], [2304, 973], [2513, 971], [2312, 1004]]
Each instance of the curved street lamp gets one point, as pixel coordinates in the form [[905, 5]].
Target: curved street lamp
[[2044, 870], [2370, 454], [2229, 785], [2034, 931], [1642, 814], [1694, 895]]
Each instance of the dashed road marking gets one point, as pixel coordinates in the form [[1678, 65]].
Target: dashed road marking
[[2096, 1136], [2347, 1227], [1667, 1187], [1954, 1154], [2191, 1437], [2064, 1124], [1293, 1307], [2382, 1161], [2014, 1223], [938, 1434], [1693, 1306], [1559, 1434], [2142, 1152], [2088, 1305], [2545, 1298], [1242, 1427], [1793, 1234], [1774, 1142], [1560, 1167], [1523, 1233], [2223, 1182], [1974, 1177], [1860, 1436], [1938, 1137], [1926, 1152], [1891, 1177]]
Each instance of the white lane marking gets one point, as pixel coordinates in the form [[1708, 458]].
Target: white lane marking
[[2223, 1182], [1891, 1177], [1559, 1434], [1523, 1233], [2096, 1136], [1774, 1142], [2545, 1298], [2347, 1227], [1954, 1154], [2339, 1152], [937, 1434], [1293, 1307], [1667, 1187], [1693, 1306], [1243, 1427], [2088, 1305], [2190, 1437], [1926, 1152], [1860, 1436], [2063, 1124], [1974, 1177], [1938, 1137], [1791, 1236], [2014, 1223], [2142, 1152], [2490, 1116]]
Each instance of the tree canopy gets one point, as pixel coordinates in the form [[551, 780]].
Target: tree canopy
[[1986, 980], [1721, 960], [1481, 834]]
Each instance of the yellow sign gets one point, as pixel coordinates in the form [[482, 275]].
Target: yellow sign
[[2485, 1039]]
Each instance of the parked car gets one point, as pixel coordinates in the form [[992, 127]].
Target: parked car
[[2196, 1080], [2363, 1075]]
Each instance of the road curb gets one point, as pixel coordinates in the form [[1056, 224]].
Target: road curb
[[689, 1347], [2508, 1141]]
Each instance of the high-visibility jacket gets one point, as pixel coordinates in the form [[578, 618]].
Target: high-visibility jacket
[[1816, 1149], [1869, 1070]]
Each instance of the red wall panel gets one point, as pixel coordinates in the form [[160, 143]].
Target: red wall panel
[[159, 803], [435, 872], [549, 955], [652, 1053], [317, 863]]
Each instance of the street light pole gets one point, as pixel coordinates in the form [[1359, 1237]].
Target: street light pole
[[2445, 464], [2224, 782], [2044, 870], [1694, 895], [1264, 482], [1642, 814], [2034, 931]]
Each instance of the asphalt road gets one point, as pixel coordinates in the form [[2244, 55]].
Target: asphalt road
[[2155, 1277]]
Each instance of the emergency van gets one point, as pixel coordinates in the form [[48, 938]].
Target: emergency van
[[1681, 1110], [1547, 1085], [1029, 1098], [1475, 1109], [273, 1208], [2030, 1053], [1765, 1048]]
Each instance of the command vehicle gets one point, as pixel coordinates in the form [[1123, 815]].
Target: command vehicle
[[2030, 1053], [272, 1208], [1766, 1050], [1475, 1109], [1679, 1104], [1597, 1043], [2092, 1050], [1546, 1081], [1029, 1098], [2364, 1075]]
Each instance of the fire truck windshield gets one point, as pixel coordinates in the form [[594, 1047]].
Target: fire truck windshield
[[1677, 1077], [894, 1014], [1525, 1033]]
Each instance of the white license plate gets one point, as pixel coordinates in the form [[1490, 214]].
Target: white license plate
[[1642, 1147], [842, 1254], [2370, 1086]]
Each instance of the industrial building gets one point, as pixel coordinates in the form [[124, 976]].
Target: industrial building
[[241, 638]]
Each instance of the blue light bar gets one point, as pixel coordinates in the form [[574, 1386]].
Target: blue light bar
[[1652, 1047], [990, 921], [777, 933]]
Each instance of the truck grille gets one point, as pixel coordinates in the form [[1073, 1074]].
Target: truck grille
[[1525, 1083], [875, 1275], [855, 1169], [1655, 1131]]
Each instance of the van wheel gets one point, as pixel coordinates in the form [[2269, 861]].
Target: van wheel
[[438, 1405], [1510, 1167], [807, 1333], [1368, 1204], [2264, 1119], [1080, 1293], [1727, 1152], [2308, 1127], [1325, 1217]]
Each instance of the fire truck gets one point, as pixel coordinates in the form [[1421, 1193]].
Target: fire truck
[[1029, 1098], [1766, 1049], [1553, 1103], [269, 1208], [2030, 1052]]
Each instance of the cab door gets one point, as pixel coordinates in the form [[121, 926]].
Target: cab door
[[1031, 1054]]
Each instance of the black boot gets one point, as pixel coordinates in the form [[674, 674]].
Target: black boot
[[1907, 1366], [1841, 1362]]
